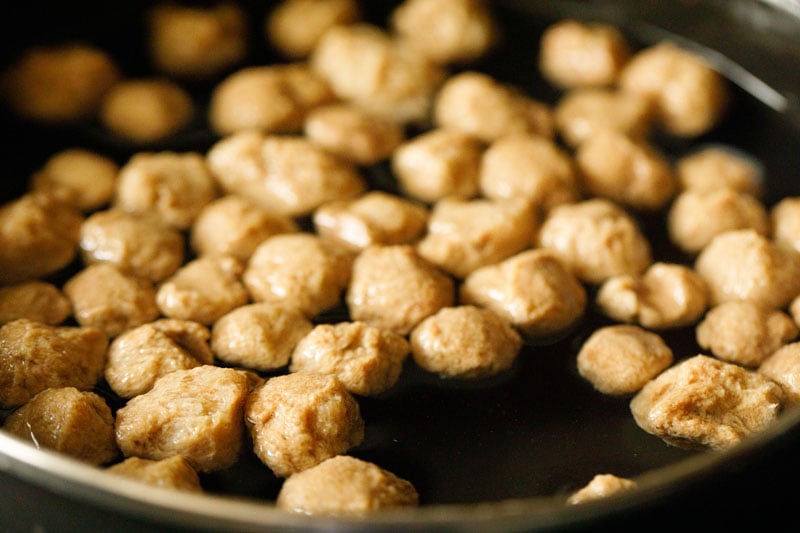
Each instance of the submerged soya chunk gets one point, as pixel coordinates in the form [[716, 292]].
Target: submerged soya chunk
[[705, 403], [172, 472], [601, 486], [35, 356], [300, 419], [197, 413], [76, 423], [344, 485], [35, 300]]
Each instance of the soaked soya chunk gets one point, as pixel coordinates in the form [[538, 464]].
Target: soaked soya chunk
[[294, 27], [620, 359], [298, 269], [146, 110], [785, 222], [259, 336], [705, 403], [476, 103], [783, 367], [627, 170], [697, 216], [597, 238], [298, 420], [689, 96], [70, 421], [601, 486], [745, 265], [713, 167], [375, 217], [110, 300], [287, 175], [535, 291], [140, 244], [394, 288], [197, 413], [62, 82], [530, 167], [268, 98], [742, 332], [203, 289], [141, 355], [38, 237], [438, 163], [352, 133], [575, 54], [465, 342], [582, 113], [366, 359], [345, 486], [170, 473], [37, 356], [39, 301], [446, 31], [172, 185], [666, 295], [373, 69], [195, 42], [79, 177], [464, 235]]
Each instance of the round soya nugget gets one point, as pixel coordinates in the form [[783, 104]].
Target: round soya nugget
[[173, 472]]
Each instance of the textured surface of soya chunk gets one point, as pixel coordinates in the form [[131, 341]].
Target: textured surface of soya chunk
[[172, 472], [601, 486]]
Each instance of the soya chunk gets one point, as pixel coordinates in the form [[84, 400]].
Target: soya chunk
[[601, 486], [39, 301], [719, 166], [171, 473], [73, 422], [294, 27], [784, 220], [345, 485], [78, 177], [298, 420], [783, 367], [37, 356], [197, 413], [705, 403]]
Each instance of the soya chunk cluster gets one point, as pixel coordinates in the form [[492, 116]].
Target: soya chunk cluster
[[254, 292]]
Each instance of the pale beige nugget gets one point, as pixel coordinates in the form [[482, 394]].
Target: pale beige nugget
[[393, 288], [716, 166], [38, 356], [438, 163], [366, 359], [298, 420], [173, 185], [39, 301], [299, 269], [294, 27], [465, 342], [197, 413], [170, 473], [783, 367], [697, 216], [705, 403], [203, 289], [259, 336], [139, 356], [79, 177], [575, 54], [784, 221], [742, 332], [235, 225], [464, 235], [345, 486], [76, 423], [140, 244], [597, 238], [106, 298], [476, 103], [620, 359], [535, 291], [666, 295], [38, 237], [531, 167], [376, 217], [745, 265], [601, 486]]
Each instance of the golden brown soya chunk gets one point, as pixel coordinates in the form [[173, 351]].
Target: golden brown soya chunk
[[294, 27], [73, 422], [784, 219], [720, 166], [300, 419], [706, 403], [39, 301], [601, 486], [37, 356], [197, 413], [172, 472], [783, 367], [78, 177], [344, 485]]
